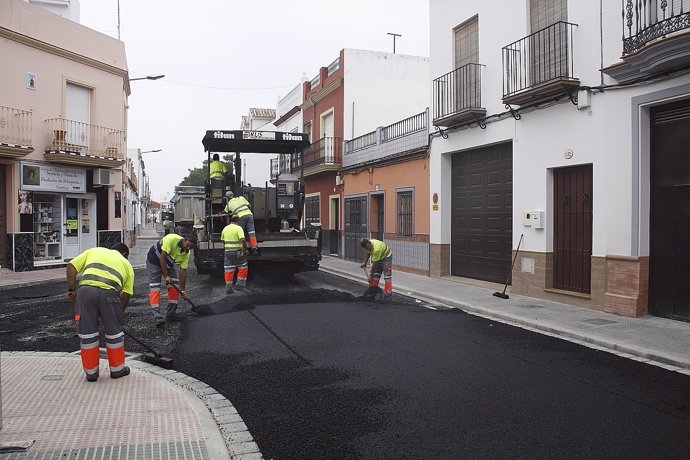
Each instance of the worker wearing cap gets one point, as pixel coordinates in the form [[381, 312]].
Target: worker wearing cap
[[107, 282], [240, 206], [381, 262], [161, 259], [235, 255]]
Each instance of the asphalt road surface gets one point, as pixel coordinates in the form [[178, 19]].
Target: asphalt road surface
[[318, 372]]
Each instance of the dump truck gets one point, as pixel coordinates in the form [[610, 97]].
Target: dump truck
[[284, 245], [189, 203]]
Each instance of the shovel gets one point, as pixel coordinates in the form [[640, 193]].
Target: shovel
[[371, 290], [153, 357], [198, 309]]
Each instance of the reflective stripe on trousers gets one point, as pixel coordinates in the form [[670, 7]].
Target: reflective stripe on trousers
[[383, 266], [235, 260], [93, 304], [155, 277]]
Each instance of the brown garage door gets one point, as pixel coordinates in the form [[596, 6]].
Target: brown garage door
[[482, 213]]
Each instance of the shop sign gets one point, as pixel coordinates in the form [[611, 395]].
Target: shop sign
[[48, 178]]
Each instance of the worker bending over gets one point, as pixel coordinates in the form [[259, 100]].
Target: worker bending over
[[240, 206], [235, 255], [160, 262], [381, 262], [107, 282]]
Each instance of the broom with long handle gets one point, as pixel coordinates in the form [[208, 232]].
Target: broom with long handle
[[503, 294]]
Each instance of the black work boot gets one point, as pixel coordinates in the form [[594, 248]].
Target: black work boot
[[121, 373]]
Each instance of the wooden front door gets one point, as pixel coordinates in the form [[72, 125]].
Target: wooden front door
[[572, 252], [669, 249]]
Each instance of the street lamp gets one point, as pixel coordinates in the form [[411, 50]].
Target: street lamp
[[151, 151], [148, 77]]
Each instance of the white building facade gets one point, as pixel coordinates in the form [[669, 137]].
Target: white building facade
[[552, 136]]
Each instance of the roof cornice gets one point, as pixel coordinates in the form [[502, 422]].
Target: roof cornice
[[322, 93], [52, 49]]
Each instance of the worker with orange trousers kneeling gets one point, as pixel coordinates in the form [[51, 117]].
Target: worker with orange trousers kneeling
[[235, 255], [104, 291]]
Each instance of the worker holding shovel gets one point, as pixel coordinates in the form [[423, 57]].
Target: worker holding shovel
[[381, 262], [160, 262], [104, 290]]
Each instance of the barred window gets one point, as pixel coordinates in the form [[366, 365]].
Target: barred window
[[405, 213]]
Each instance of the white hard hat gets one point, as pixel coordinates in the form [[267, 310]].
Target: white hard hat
[[229, 194]]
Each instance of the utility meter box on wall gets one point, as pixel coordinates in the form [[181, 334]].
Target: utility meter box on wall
[[537, 218]]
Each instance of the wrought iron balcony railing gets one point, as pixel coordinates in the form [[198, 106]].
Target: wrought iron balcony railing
[[15, 126], [647, 20], [327, 151], [458, 95], [542, 61], [85, 139]]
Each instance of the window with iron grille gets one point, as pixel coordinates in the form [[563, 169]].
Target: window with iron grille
[[405, 217], [312, 211]]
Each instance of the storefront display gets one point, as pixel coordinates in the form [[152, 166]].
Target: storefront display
[[47, 227]]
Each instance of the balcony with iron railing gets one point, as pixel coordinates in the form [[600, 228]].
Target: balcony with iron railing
[[321, 156], [15, 132], [72, 141], [458, 96], [540, 66], [398, 139], [655, 39]]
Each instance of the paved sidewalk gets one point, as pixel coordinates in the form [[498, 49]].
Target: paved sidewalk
[[153, 413], [658, 341]]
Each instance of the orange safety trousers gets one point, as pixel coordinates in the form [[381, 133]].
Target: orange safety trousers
[[94, 304], [235, 260], [385, 266], [155, 295]]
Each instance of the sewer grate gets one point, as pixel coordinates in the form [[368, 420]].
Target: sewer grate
[[598, 321], [53, 377], [529, 306]]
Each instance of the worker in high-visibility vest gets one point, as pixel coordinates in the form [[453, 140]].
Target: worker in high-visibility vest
[[217, 168], [240, 206], [167, 225], [381, 262], [235, 256], [106, 285], [160, 262]]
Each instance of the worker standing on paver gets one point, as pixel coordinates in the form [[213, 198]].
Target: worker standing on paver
[[235, 255], [239, 206], [106, 285], [160, 262], [218, 170], [381, 262]]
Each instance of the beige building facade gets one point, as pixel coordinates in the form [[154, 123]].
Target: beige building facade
[[63, 118]]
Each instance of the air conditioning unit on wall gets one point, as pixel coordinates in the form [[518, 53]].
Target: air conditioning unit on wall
[[102, 177]]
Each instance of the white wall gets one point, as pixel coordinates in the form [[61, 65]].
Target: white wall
[[384, 88], [610, 134]]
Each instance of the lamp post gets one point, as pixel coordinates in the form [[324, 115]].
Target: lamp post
[[148, 77]]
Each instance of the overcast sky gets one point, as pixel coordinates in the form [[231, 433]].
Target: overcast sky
[[221, 57]]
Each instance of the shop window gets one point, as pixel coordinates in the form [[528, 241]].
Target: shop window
[[47, 222]]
